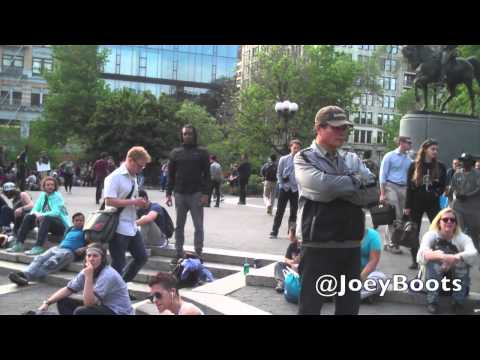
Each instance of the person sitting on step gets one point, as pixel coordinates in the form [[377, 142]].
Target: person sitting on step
[[446, 250], [165, 295], [151, 222], [292, 259], [49, 213], [103, 290], [56, 258]]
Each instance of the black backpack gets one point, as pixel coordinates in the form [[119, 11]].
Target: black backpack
[[166, 223], [270, 172], [193, 277]]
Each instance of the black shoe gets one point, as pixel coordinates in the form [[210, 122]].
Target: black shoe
[[413, 266], [273, 235], [279, 287], [217, 205], [18, 279], [432, 308]]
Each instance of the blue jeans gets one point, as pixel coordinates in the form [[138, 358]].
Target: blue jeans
[[460, 271], [53, 260], [119, 246]]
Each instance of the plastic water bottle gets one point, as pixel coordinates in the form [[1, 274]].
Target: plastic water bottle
[[246, 267]]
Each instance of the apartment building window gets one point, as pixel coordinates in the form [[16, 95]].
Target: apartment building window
[[356, 117], [40, 65], [369, 137], [363, 118], [4, 97], [16, 98], [35, 100], [392, 102], [379, 119], [370, 100], [389, 83], [408, 80], [369, 118], [362, 136], [379, 137], [356, 136], [12, 61], [390, 65]]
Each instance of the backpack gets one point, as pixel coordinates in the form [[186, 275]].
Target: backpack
[[270, 172], [166, 223], [291, 286], [193, 277]]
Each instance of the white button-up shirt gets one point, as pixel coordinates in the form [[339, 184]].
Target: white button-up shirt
[[117, 186]]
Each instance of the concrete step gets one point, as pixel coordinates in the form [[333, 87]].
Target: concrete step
[[154, 264]]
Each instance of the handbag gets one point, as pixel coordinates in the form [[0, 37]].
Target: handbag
[[102, 224], [291, 286], [382, 214], [404, 233]]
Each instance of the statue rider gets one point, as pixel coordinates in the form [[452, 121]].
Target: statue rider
[[448, 54]]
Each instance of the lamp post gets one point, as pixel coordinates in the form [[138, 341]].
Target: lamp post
[[286, 110]]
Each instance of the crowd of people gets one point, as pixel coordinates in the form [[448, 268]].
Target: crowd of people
[[324, 185]]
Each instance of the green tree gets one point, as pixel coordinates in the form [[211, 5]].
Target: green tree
[[75, 88], [320, 77], [124, 119]]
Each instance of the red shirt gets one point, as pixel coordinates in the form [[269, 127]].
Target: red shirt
[[100, 169]]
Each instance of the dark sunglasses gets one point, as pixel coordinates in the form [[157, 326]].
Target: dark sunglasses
[[451, 220], [154, 297]]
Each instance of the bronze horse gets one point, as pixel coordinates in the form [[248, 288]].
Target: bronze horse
[[428, 69]]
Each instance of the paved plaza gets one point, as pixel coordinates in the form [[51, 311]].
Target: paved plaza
[[230, 227]]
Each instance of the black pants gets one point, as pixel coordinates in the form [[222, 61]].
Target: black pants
[[48, 224], [418, 209], [68, 181], [7, 216], [283, 198], [335, 262], [243, 191], [98, 194], [70, 306], [215, 185], [21, 181]]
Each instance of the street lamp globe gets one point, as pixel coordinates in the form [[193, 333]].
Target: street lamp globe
[[293, 107]]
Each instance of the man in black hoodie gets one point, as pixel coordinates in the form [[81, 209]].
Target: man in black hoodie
[[189, 177]]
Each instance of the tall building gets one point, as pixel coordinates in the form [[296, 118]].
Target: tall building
[[22, 88], [373, 111], [171, 69]]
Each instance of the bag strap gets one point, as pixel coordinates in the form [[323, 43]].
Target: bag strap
[[120, 209]]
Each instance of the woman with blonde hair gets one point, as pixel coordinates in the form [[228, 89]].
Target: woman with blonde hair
[[426, 181], [447, 251]]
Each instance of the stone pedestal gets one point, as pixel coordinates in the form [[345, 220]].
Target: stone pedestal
[[455, 133]]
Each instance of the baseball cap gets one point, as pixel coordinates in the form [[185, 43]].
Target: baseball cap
[[333, 116], [9, 186]]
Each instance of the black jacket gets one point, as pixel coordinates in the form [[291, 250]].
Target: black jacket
[[188, 170], [244, 171], [419, 195]]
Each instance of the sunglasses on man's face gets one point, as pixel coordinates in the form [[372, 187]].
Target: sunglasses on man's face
[[154, 297]]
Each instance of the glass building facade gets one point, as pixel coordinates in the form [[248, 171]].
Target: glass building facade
[[169, 68]]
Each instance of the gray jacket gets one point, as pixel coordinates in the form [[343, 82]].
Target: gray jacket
[[322, 180]]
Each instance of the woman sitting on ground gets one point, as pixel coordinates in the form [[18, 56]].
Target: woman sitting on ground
[[446, 250], [165, 295], [49, 213], [104, 291]]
